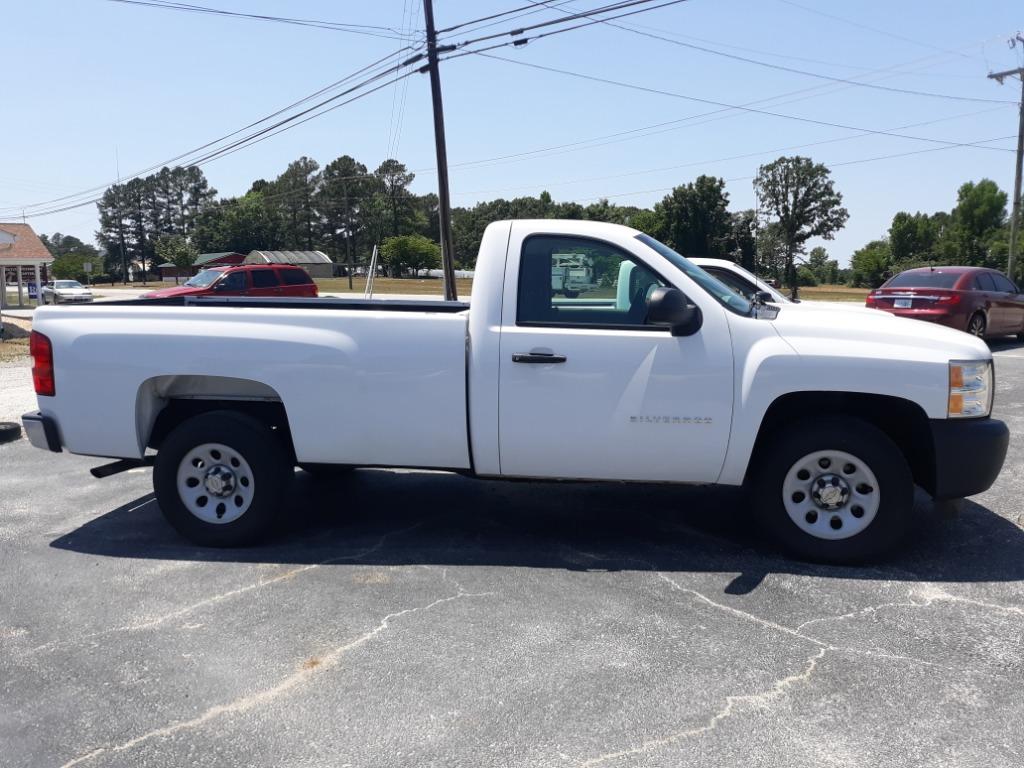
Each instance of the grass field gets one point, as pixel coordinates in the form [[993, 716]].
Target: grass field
[[833, 293], [421, 287]]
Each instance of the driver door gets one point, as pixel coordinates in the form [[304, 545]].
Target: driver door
[[589, 389]]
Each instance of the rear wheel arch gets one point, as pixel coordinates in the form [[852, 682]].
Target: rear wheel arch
[[163, 402], [903, 421]]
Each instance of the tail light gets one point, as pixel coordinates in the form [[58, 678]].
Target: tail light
[[871, 300], [41, 349], [948, 299]]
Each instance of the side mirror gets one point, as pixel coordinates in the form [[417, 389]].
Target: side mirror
[[764, 297], [221, 286], [669, 306]]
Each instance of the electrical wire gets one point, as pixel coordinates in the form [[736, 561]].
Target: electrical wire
[[712, 102], [257, 137], [369, 68], [358, 29]]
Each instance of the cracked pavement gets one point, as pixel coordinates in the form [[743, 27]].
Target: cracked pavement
[[414, 618]]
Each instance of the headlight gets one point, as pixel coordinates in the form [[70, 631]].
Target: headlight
[[970, 388]]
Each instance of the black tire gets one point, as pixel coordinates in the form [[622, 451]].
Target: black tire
[[849, 435], [977, 325], [9, 431], [260, 448], [571, 294]]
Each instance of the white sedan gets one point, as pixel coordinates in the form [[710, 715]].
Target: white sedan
[[66, 292]]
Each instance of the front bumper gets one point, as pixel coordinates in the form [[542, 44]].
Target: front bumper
[[969, 454], [42, 431]]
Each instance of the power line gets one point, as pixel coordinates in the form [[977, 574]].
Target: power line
[[884, 32], [743, 156], [359, 29], [769, 65], [532, 7], [736, 57], [372, 67], [672, 94], [260, 135]]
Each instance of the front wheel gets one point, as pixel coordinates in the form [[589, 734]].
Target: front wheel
[[220, 479], [836, 490]]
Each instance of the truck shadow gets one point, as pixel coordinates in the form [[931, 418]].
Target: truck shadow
[[373, 517]]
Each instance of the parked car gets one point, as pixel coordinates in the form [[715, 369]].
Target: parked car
[[748, 285], [65, 292], [742, 281], [244, 280], [667, 376], [983, 302]]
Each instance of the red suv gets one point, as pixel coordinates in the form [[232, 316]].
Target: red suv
[[245, 280], [981, 301]]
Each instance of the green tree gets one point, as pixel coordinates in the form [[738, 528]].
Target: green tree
[[871, 265], [695, 218], [978, 217], [741, 244], [799, 194], [817, 263], [178, 251], [406, 252], [912, 237], [71, 266]]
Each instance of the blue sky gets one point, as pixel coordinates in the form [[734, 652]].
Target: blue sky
[[91, 83]]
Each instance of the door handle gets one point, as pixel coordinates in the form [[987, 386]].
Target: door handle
[[537, 357]]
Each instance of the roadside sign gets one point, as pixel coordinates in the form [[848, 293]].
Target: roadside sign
[[33, 291], [87, 267]]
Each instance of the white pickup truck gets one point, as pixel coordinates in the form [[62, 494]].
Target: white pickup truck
[[658, 374]]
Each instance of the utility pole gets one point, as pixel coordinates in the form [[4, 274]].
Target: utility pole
[[1011, 265], [444, 213]]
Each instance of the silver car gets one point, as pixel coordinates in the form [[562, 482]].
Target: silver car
[[66, 292]]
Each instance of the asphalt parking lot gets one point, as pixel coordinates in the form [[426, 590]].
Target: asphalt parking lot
[[413, 618]]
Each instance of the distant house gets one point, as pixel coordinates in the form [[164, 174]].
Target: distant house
[[168, 272], [24, 262], [316, 263]]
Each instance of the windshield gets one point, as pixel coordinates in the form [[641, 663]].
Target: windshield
[[67, 284], [722, 293], [934, 279], [204, 278]]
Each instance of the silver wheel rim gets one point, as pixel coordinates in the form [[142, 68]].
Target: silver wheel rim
[[215, 483], [977, 326], [831, 495]]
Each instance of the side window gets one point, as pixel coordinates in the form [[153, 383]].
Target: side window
[[731, 280], [984, 282], [1003, 283], [235, 281], [295, 277], [264, 278], [577, 281]]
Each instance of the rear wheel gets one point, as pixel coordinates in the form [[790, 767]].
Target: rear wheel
[[220, 478], [976, 325], [836, 490]]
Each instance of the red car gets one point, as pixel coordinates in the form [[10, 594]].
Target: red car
[[244, 280], [981, 301]]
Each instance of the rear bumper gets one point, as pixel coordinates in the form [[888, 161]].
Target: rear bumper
[[42, 431], [940, 316], [968, 455]]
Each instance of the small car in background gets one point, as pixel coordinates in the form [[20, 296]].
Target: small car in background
[[65, 292], [245, 280], [983, 302], [744, 282]]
